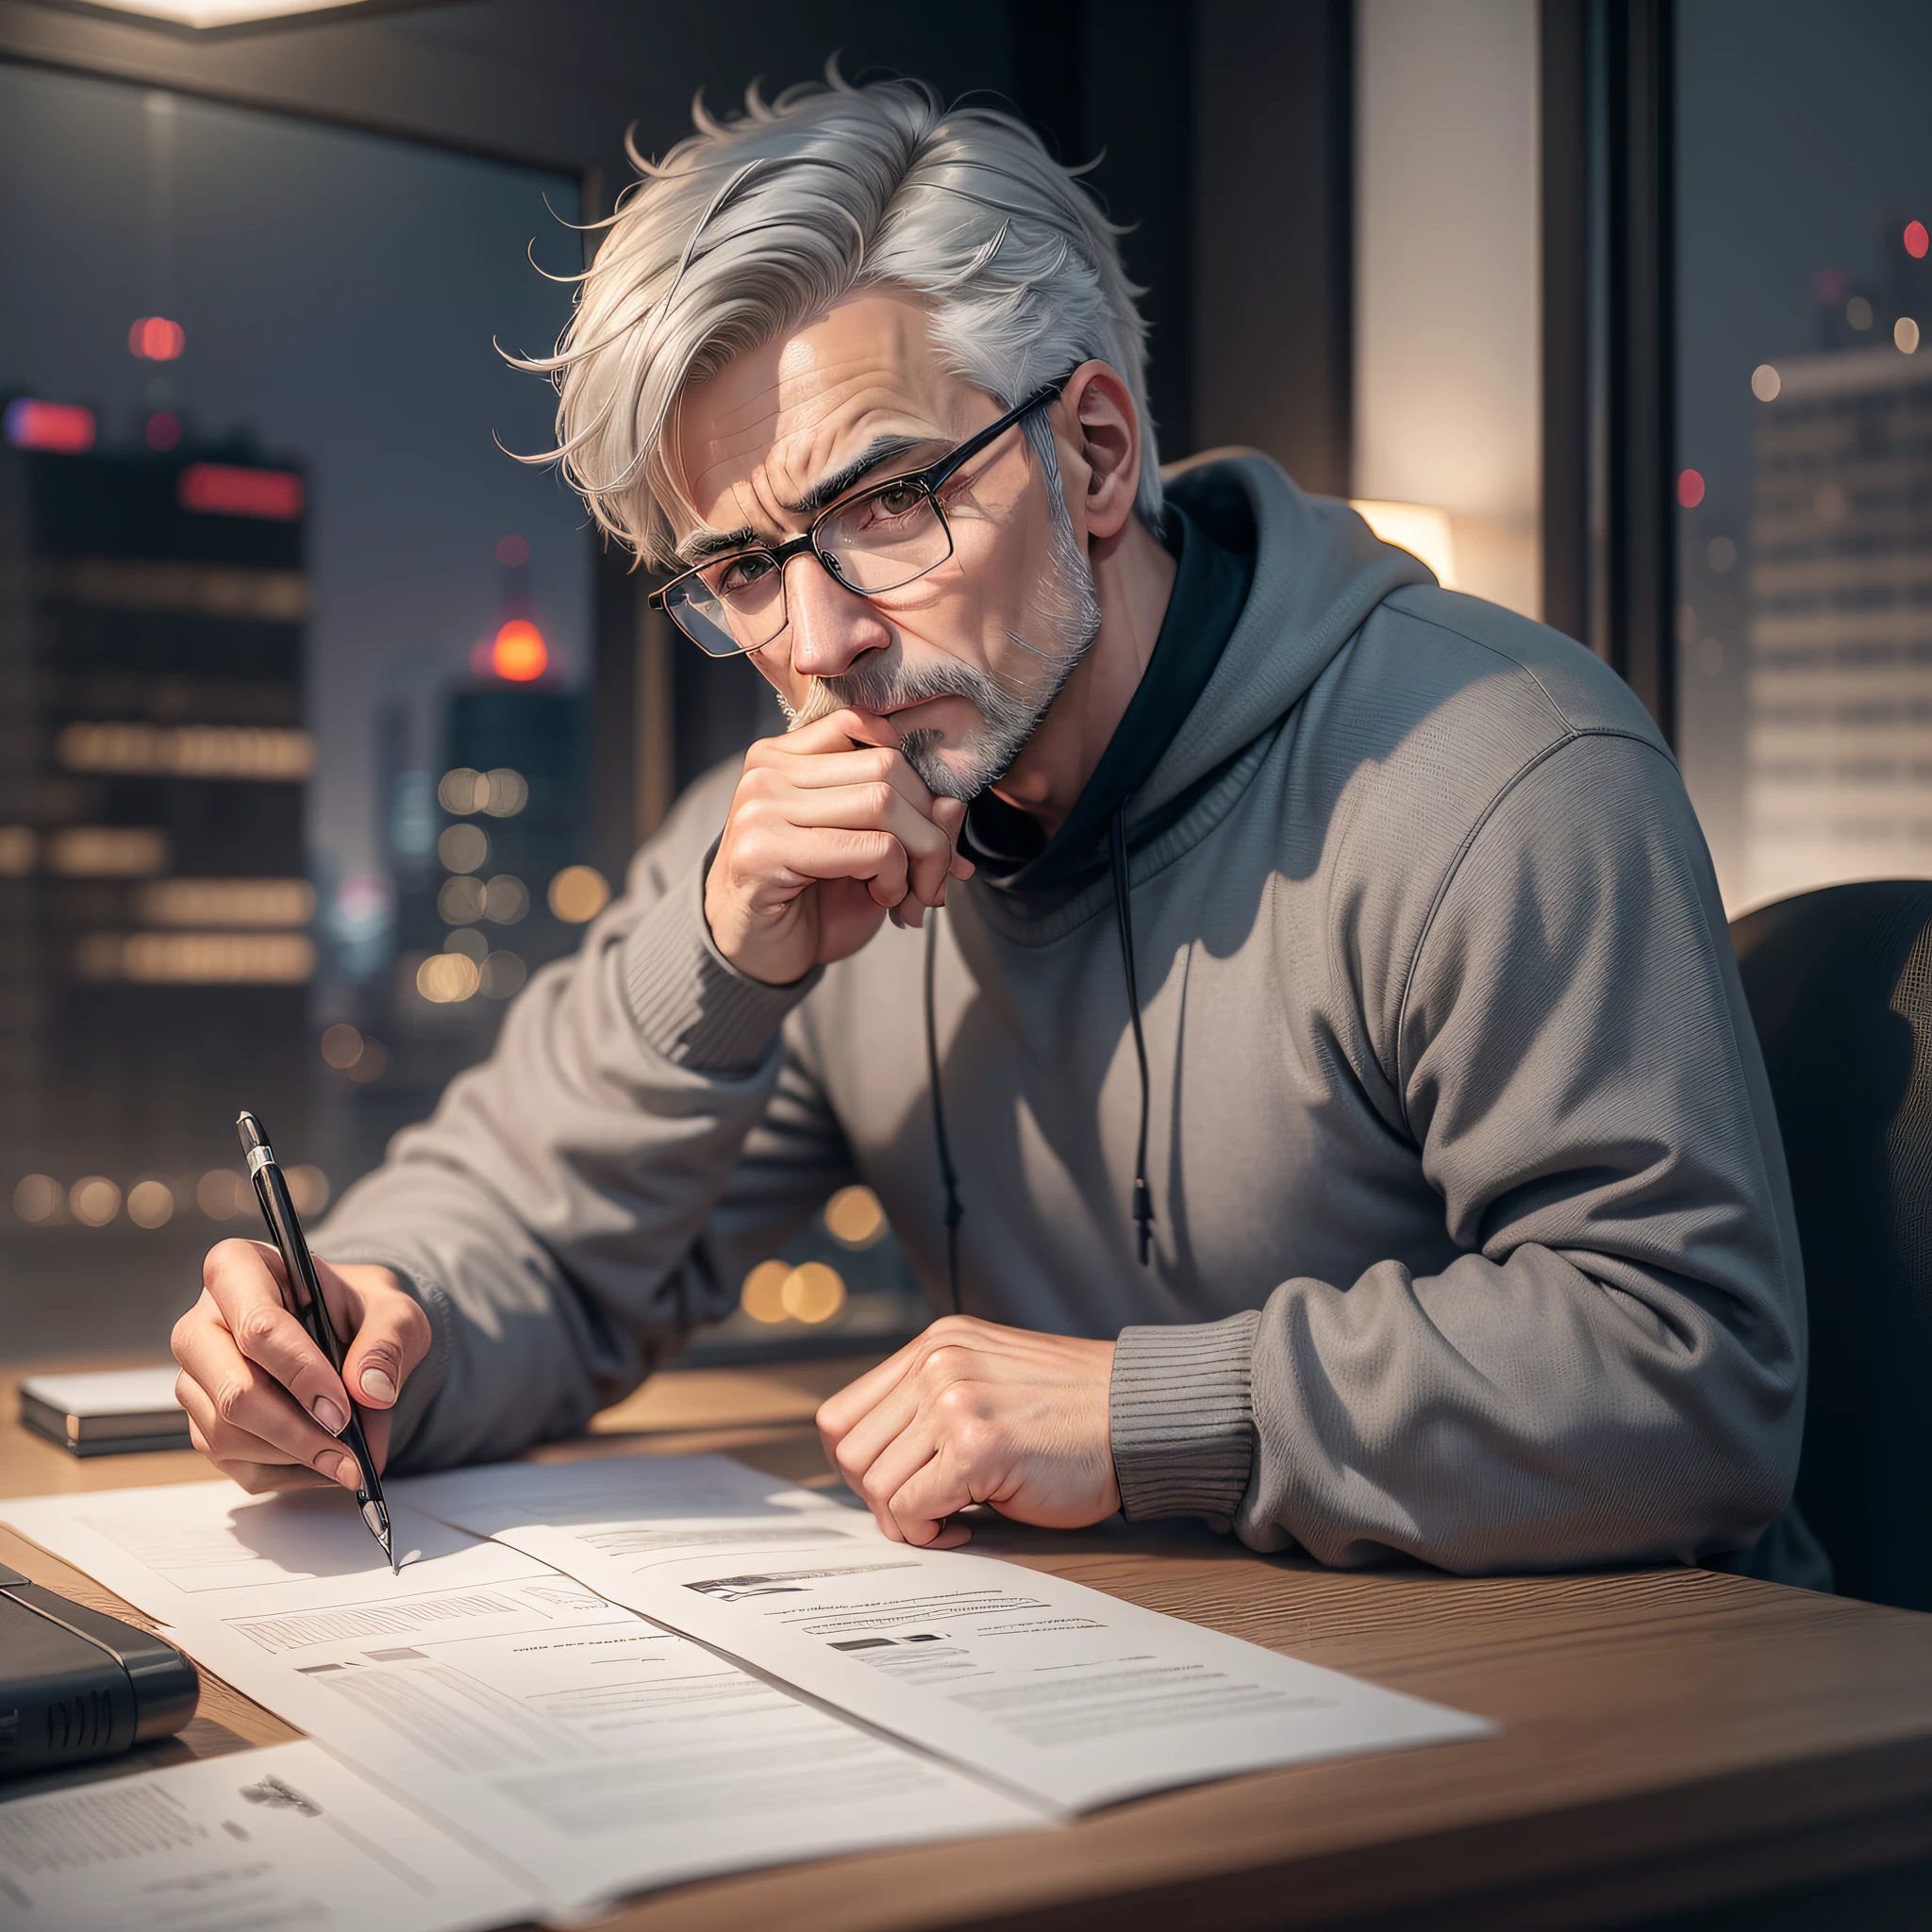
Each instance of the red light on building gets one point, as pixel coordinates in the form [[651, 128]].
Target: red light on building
[[222, 489], [155, 339], [64, 426], [163, 430], [1917, 241], [520, 653], [1689, 489]]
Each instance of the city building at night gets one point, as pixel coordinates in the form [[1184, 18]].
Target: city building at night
[[1838, 770], [156, 953]]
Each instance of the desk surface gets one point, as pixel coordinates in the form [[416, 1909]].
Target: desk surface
[[1671, 1739]]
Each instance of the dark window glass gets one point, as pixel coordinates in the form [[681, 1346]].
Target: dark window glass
[[267, 580], [1805, 478]]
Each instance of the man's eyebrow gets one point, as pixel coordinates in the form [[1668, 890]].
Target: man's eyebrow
[[884, 449], [708, 543]]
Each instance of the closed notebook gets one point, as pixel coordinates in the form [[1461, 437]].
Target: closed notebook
[[115, 1411]]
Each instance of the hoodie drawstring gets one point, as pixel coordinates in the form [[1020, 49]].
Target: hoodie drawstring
[[949, 1178], [1123, 894]]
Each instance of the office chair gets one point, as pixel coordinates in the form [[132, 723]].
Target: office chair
[[1840, 983]]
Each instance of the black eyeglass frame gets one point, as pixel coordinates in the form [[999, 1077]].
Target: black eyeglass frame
[[928, 481]]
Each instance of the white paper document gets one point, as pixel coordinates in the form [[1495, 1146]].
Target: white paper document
[[586, 1751], [287, 1837], [1055, 1690]]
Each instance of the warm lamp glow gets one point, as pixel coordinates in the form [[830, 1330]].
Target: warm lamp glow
[[1417, 527], [519, 652]]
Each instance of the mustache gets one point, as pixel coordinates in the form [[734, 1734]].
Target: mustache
[[880, 684]]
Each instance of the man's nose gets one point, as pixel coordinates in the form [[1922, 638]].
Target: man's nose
[[831, 626]]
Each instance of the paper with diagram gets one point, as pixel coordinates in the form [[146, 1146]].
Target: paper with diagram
[[278, 1838], [1058, 1691], [587, 1750]]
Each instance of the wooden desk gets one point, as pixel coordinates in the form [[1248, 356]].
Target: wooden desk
[[1673, 1741]]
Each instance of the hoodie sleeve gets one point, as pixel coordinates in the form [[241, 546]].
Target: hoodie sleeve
[[1612, 1369], [574, 1206]]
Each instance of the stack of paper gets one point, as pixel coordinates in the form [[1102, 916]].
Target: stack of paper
[[607, 1675], [586, 1751], [280, 1838]]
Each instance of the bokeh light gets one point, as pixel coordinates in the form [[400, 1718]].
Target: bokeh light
[[309, 1188], [813, 1292], [460, 901], [39, 1198], [512, 552], [222, 1194], [93, 1200], [855, 1219], [370, 1064], [504, 792], [1765, 383], [578, 893], [763, 1296], [1689, 489], [462, 848], [341, 1046], [155, 339], [150, 1204], [1905, 336], [163, 430], [447, 979], [1917, 239], [519, 652], [503, 976]]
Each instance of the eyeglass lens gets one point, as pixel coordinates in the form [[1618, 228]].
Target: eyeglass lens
[[878, 541]]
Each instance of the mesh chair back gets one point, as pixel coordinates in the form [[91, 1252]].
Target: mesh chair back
[[1840, 983]]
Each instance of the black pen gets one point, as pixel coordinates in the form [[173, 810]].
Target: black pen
[[304, 1294]]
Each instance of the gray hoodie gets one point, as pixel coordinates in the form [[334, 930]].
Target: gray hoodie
[[1473, 1241]]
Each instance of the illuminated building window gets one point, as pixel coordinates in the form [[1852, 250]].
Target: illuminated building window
[[224, 489], [198, 958], [19, 847], [108, 851], [63, 427], [188, 751], [227, 902]]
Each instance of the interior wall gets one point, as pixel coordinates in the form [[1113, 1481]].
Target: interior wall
[[1272, 164], [1448, 294]]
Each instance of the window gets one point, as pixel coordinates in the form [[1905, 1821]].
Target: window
[[292, 665], [1804, 483]]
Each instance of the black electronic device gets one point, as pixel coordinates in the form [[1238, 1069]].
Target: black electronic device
[[76, 1682]]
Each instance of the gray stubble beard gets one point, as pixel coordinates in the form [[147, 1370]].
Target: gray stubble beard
[[1069, 613]]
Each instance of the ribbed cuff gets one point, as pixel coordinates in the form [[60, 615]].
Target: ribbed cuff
[[691, 1004], [1182, 1417]]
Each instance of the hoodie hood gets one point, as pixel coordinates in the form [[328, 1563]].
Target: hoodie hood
[[1319, 571]]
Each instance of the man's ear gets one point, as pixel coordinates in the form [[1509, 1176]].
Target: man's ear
[[1105, 430]]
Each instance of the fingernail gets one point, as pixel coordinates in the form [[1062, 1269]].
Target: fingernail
[[340, 1469], [378, 1386], [329, 1416]]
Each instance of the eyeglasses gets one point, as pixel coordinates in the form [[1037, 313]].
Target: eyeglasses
[[881, 538]]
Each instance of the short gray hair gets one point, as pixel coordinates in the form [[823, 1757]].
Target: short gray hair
[[755, 226]]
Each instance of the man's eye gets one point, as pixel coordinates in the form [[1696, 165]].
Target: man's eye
[[740, 573], [898, 499]]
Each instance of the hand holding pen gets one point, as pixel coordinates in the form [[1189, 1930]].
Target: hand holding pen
[[303, 1287], [265, 1403]]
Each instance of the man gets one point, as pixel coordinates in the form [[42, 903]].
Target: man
[[1319, 1081]]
